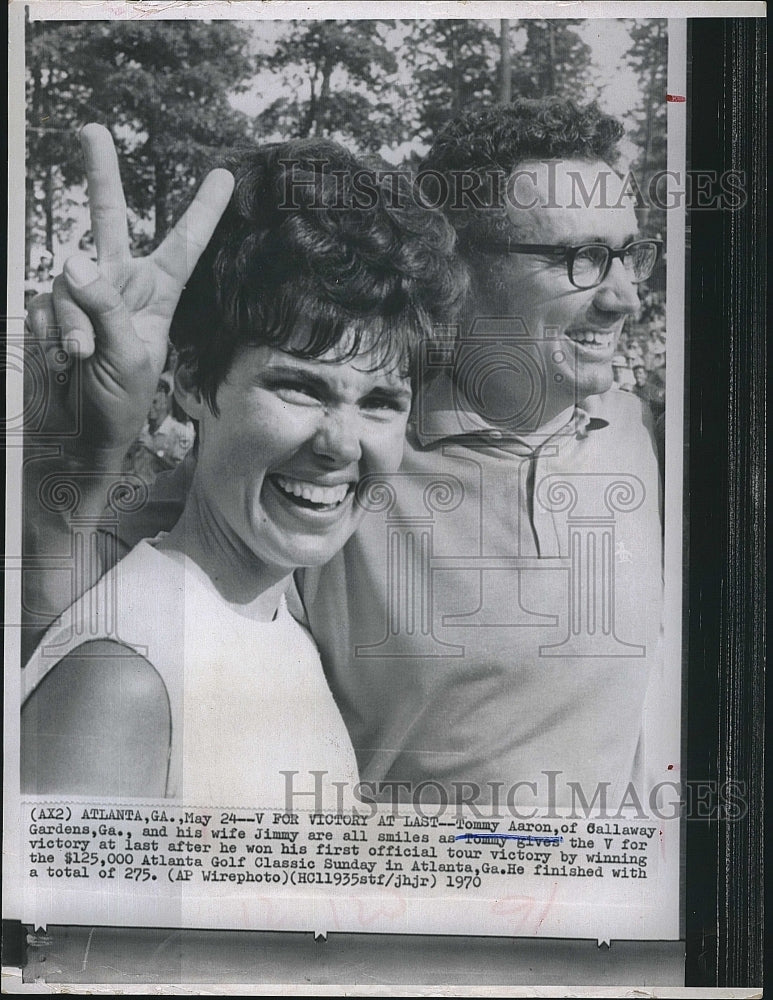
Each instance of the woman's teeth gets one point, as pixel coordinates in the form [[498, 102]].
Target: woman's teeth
[[312, 492]]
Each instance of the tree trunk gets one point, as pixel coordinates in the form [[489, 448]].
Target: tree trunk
[[651, 97], [48, 208], [160, 200], [551, 67], [324, 98], [505, 72], [309, 118]]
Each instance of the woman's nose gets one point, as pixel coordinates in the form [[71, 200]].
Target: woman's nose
[[337, 439]]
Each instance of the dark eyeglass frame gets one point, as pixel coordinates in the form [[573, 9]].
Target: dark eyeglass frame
[[570, 255]]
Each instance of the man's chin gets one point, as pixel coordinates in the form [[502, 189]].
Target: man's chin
[[594, 383]]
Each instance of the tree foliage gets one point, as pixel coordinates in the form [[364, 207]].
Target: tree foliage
[[453, 66], [339, 79], [459, 64], [161, 88], [52, 99], [164, 89], [553, 61]]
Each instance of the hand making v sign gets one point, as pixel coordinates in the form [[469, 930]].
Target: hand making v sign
[[114, 315]]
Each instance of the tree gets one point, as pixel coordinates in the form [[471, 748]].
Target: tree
[[340, 79], [463, 63], [52, 155], [648, 55], [161, 88], [164, 93], [453, 65], [553, 61], [505, 66]]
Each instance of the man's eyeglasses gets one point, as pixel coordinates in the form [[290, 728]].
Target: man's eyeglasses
[[589, 264]]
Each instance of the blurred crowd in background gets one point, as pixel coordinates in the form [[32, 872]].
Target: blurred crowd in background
[[639, 366]]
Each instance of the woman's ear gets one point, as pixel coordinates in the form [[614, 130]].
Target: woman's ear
[[186, 392]]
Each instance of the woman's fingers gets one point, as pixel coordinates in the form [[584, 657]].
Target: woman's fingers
[[90, 294], [41, 319], [49, 356], [107, 205], [44, 330], [181, 249], [73, 325], [45, 326]]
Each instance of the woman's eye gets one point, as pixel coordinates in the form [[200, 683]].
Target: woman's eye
[[386, 404], [297, 393]]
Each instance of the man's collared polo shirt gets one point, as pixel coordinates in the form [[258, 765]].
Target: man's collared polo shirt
[[498, 614]]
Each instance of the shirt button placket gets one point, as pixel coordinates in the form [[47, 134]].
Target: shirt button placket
[[546, 527]]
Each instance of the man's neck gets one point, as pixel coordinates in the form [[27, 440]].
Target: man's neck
[[556, 412], [548, 428]]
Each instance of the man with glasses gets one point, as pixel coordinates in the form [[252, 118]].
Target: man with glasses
[[491, 631], [510, 663]]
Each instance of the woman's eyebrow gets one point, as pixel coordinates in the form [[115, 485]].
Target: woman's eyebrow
[[276, 372], [391, 391], [302, 376]]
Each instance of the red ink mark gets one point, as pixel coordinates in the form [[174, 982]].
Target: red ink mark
[[676, 98], [670, 767]]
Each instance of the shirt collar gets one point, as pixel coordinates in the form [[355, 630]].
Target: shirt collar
[[437, 417]]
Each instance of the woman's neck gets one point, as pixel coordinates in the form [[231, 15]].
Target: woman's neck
[[249, 586]]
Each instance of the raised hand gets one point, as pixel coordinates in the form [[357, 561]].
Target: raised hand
[[114, 315]]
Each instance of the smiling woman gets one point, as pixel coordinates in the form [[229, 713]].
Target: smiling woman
[[294, 335], [279, 463]]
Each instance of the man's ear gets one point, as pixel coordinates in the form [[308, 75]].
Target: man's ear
[[186, 392]]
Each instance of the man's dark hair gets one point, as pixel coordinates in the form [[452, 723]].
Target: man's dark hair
[[489, 144], [311, 235]]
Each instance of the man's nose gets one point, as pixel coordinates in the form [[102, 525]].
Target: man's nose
[[617, 293], [337, 439]]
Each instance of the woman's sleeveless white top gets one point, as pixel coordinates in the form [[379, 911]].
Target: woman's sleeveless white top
[[248, 700]]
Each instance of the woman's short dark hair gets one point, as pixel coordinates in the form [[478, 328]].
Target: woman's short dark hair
[[312, 234]]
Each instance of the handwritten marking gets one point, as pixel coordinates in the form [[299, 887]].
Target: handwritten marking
[[530, 837], [676, 98]]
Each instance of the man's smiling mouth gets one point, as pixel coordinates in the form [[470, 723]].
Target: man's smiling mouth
[[310, 495], [592, 338]]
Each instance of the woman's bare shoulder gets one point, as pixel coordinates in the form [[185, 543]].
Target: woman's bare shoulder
[[98, 723]]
